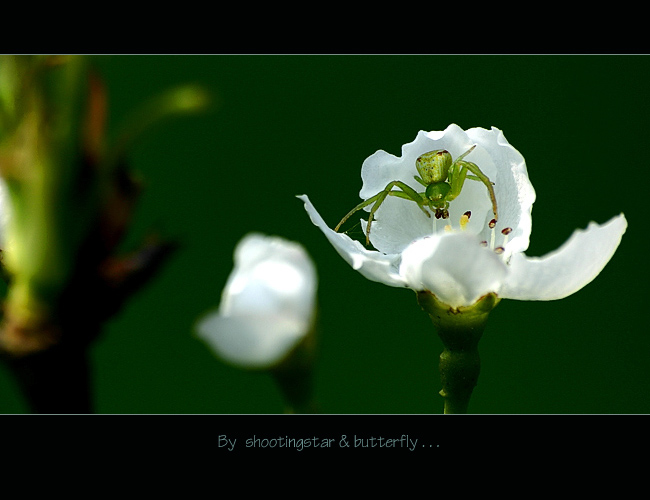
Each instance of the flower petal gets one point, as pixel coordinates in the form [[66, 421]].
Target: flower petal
[[254, 341], [454, 267], [398, 222], [514, 191], [271, 275], [373, 265], [267, 305], [569, 268]]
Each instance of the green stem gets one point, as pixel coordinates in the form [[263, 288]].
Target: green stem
[[295, 375], [297, 390], [460, 330], [459, 370]]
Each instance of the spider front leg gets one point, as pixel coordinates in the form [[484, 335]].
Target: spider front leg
[[407, 193], [458, 176]]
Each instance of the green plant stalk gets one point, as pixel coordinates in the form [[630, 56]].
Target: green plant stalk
[[71, 195], [296, 386], [460, 330], [295, 375], [40, 170]]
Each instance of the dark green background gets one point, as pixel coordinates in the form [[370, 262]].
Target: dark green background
[[289, 125]]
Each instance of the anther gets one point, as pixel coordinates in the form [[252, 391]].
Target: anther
[[499, 250], [491, 225], [483, 243], [464, 219], [505, 232]]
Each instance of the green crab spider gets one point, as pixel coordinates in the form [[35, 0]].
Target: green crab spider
[[443, 180]]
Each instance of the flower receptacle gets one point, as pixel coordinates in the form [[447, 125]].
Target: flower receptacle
[[460, 330]]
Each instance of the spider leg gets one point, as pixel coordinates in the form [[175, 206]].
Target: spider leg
[[361, 205], [405, 196], [456, 177], [407, 193], [480, 176], [474, 178], [465, 154], [458, 173], [417, 178]]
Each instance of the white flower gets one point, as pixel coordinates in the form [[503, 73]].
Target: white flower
[[459, 263], [267, 305]]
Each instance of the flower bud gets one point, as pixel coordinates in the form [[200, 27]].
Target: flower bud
[[268, 304]]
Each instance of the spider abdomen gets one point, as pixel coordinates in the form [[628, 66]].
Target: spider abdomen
[[434, 166]]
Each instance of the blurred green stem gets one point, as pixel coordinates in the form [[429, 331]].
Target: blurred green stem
[[297, 389], [295, 376], [71, 199]]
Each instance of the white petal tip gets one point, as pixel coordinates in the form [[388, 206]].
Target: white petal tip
[[569, 268]]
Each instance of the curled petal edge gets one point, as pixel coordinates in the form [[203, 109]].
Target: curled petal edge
[[373, 265], [566, 270]]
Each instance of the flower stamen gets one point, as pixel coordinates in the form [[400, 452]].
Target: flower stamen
[[464, 219], [505, 232], [492, 225]]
